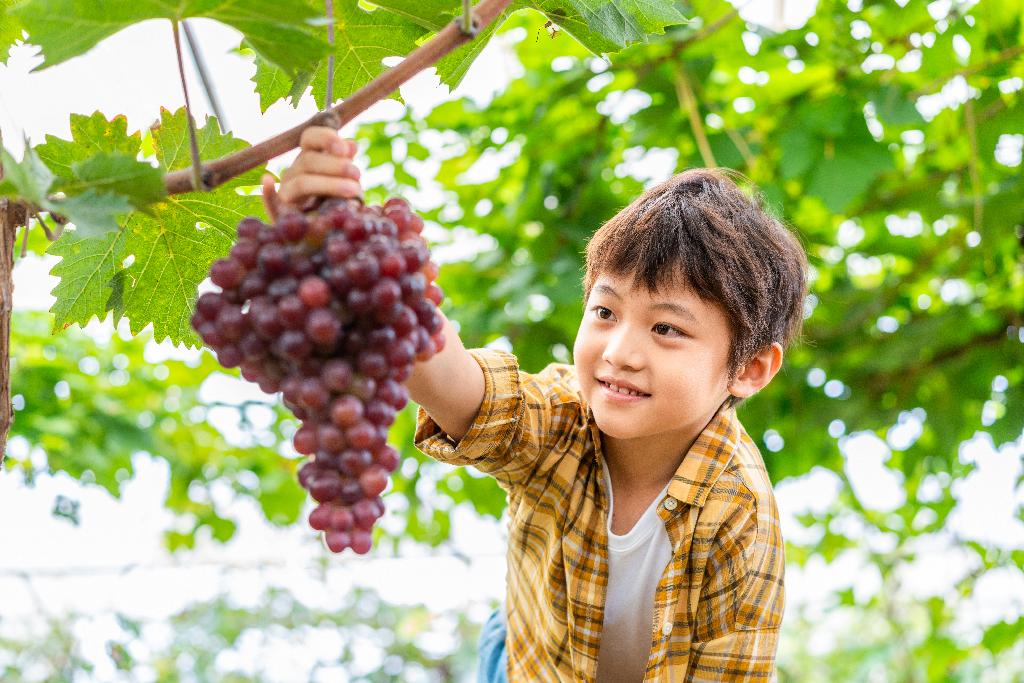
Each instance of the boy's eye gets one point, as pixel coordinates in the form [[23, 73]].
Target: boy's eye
[[602, 312], [666, 329]]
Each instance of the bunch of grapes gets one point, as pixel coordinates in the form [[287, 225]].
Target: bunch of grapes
[[332, 309]]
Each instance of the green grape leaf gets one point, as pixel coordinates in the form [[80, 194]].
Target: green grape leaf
[[10, 30], [452, 68], [89, 135], [91, 211], [86, 269], [171, 244], [139, 182], [279, 30], [598, 23], [362, 40], [174, 244], [430, 14], [30, 179]]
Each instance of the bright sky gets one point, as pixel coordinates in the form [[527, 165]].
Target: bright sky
[[80, 569]]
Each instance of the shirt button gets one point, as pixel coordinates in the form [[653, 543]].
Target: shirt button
[[666, 629], [670, 503]]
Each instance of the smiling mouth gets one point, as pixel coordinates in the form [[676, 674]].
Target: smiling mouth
[[622, 390]]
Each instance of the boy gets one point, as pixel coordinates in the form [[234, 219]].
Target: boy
[[644, 538]]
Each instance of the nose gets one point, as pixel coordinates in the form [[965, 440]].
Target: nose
[[621, 349]]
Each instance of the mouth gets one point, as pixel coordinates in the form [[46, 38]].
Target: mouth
[[622, 390]]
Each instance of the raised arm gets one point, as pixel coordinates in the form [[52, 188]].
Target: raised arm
[[449, 386]]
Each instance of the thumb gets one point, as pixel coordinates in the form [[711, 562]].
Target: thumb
[[270, 200]]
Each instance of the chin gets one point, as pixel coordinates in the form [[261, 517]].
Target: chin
[[617, 429]]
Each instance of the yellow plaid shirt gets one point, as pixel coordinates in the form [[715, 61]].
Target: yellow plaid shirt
[[719, 603]]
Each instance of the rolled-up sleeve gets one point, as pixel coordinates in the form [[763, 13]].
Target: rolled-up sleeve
[[509, 433]]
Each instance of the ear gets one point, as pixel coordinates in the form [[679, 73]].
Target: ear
[[758, 371]]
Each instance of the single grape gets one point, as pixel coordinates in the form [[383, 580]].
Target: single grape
[[373, 480], [293, 345], [400, 353], [245, 253], [393, 393], [229, 356], [313, 394], [361, 542], [337, 541], [293, 225], [291, 311], [341, 518], [380, 413], [314, 292], [320, 517], [330, 438], [306, 474], [337, 374], [273, 259], [350, 491], [208, 305], [354, 460], [346, 411], [363, 387], [385, 293], [249, 228], [361, 434], [362, 270], [305, 439], [327, 486], [322, 327], [387, 457], [372, 364], [226, 273]]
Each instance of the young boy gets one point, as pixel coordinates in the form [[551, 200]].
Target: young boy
[[644, 540]]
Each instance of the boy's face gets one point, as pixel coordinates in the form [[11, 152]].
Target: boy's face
[[670, 348]]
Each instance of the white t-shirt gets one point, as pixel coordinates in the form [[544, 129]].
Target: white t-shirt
[[636, 561]]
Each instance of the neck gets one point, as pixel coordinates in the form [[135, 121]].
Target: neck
[[648, 463]]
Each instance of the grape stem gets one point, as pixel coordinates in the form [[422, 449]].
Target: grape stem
[[221, 170], [196, 180]]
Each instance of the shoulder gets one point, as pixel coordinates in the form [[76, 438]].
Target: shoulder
[[747, 538], [556, 383]]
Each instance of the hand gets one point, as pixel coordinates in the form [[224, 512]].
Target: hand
[[324, 168]]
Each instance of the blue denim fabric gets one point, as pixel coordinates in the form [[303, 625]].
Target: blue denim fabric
[[493, 657]]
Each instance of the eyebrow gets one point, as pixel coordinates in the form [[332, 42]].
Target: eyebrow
[[681, 311]]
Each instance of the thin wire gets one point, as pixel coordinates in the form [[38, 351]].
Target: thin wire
[[275, 563], [329, 98], [204, 76]]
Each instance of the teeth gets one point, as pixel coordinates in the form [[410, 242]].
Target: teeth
[[622, 390]]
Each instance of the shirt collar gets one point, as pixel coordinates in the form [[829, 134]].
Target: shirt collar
[[707, 459], [704, 463]]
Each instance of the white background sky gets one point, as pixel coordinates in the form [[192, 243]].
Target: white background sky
[[82, 569]]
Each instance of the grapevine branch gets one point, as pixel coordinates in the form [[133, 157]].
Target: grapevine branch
[[684, 92], [219, 171], [7, 232]]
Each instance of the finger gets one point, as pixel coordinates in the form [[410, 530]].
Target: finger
[[318, 186], [320, 163], [318, 138], [349, 148], [270, 199]]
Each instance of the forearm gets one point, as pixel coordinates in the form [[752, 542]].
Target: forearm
[[449, 386]]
